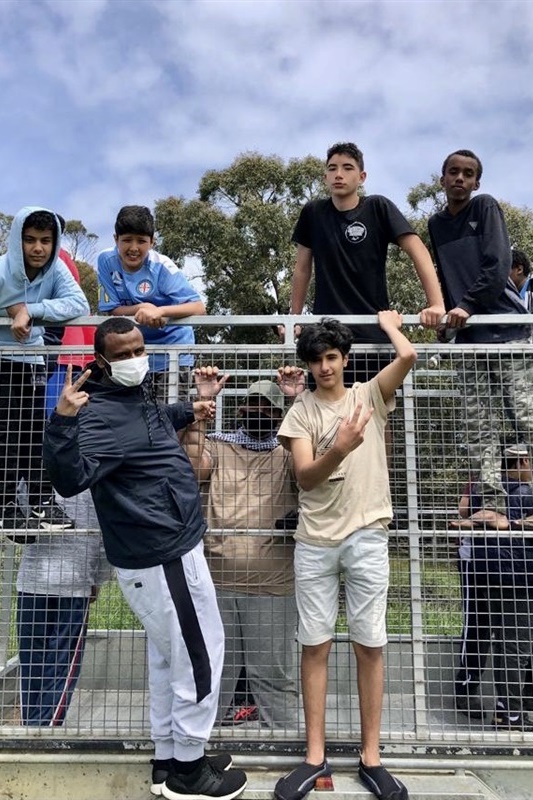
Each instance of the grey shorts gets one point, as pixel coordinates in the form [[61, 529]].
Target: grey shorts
[[363, 560]]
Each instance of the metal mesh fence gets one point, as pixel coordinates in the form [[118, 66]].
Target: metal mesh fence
[[72, 654]]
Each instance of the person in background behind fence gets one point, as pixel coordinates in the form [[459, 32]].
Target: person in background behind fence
[[521, 277], [475, 636], [250, 485], [68, 337], [59, 576]]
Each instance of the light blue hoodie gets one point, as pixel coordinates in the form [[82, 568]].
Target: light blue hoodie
[[52, 296]]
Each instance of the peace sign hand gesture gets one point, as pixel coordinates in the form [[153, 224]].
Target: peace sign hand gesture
[[71, 398]]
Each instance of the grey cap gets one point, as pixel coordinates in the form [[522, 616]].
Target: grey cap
[[269, 390], [516, 451]]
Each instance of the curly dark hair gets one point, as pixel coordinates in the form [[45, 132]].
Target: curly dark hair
[[328, 334]]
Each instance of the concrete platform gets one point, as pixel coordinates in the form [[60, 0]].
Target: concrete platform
[[72, 781]]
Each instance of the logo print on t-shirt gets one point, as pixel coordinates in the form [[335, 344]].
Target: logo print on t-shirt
[[355, 232], [473, 225], [116, 277], [144, 287]]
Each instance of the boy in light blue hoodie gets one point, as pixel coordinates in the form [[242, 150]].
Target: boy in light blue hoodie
[[35, 287]]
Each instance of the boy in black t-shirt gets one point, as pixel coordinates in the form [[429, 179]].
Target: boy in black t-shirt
[[346, 238]]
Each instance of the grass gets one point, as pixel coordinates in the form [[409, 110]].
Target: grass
[[441, 603], [441, 600]]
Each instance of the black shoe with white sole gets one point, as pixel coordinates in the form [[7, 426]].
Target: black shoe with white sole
[[51, 517], [204, 783], [161, 769]]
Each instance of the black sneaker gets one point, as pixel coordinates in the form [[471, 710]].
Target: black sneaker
[[52, 517], [510, 721], [468, 701], [16, 525], [161, 769], [204, 783]]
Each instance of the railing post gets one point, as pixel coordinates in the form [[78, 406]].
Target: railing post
[[419, 681]]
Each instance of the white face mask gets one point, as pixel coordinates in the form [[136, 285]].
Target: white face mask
[[130, 372]]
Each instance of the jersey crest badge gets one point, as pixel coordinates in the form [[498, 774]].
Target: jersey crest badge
[[355, 232], [145, 287]]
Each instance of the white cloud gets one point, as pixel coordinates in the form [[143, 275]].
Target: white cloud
[[108, 102]]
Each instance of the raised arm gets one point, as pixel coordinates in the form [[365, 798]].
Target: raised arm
[[209, 382], [393, 375], [70, 469]]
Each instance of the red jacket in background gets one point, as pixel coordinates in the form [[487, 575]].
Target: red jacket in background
[[75, 336]]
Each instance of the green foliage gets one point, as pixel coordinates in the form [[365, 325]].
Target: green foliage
[[425, 199], [520, 226], [80, 243], [5, 225], [240, 229], [89, 284], [111, 612]]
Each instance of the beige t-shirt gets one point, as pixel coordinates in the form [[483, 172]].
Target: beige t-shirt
[[250, 489], [357, 494]]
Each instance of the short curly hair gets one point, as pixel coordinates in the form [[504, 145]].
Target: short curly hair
[[328, 334]]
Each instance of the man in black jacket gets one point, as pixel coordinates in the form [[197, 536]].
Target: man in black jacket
[[109, 433]]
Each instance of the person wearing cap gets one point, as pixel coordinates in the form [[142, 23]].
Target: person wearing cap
[[249, 490], [502, 566]]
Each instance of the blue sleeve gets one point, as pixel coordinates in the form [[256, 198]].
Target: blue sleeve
[[520, 503], [108, 298], [67, 300], [175, 285], [73, 466]]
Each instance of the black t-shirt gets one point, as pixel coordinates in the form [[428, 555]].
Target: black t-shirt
[[350, 253]]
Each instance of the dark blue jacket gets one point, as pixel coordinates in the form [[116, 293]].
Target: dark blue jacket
[[509, 556], [123, 446]]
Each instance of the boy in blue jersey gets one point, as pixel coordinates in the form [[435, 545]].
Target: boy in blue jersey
[[35, 288], [138, 282]]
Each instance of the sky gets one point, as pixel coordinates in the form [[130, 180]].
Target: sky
[[106, 103]]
